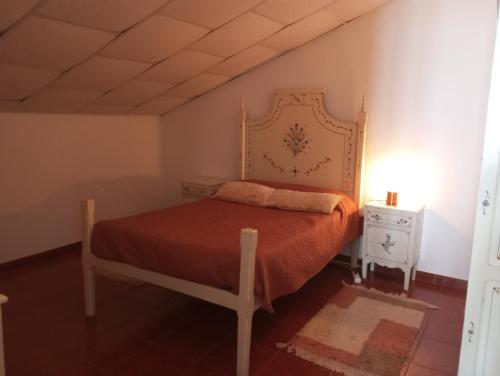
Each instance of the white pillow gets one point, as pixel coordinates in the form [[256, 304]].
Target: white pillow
[[304, 201], [244, 192]]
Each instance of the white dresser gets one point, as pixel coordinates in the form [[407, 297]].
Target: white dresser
[[198, 187], [3, 299], [392, 237]]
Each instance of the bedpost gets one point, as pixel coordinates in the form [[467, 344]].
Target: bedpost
[[87, 210], [360, 161], [246, 299], [243, 128], [360, 153], [3, 299]]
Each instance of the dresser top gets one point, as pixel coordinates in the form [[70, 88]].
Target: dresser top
[[403, 207], [204, 180]]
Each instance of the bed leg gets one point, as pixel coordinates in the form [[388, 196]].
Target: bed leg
[[87, 210], [89, 289], [244, 342], [355, 254], [246, 299], [3, 299]]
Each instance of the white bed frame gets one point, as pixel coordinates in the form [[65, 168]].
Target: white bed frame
[[3, 300], [350, 141]]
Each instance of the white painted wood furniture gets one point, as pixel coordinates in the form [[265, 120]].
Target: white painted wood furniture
[[198, 187], [328, 153], [392, 237], [480, 350], [3, 300], [299, 142]]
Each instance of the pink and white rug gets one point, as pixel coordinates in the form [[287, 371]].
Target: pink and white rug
[[361, 332]]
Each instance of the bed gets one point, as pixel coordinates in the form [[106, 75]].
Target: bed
[[246, 255]]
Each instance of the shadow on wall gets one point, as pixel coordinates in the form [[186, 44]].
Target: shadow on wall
[[169, 162], [199, 149], [56, 220], [441, 238]]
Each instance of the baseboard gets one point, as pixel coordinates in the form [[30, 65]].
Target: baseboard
[[441, 280], [42, 256], [48, 256], [424, 277]]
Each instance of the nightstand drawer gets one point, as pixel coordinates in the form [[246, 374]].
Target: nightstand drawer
[[387, 244], [391, 218]]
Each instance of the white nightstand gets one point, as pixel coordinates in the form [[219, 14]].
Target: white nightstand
[[198, 187], [391, 237]]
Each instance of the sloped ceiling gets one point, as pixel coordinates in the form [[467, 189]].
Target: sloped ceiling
[[146, 56]]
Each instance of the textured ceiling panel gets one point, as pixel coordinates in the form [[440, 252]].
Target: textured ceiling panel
[[304, 30], [99, 74], [111, 15], [18, 82], [289, 11], [350, 9], [48, 44], [146, 56], [105, 110], [51, 100], [159, 105], [237, 35], [211, 14], [198, 85], [244, 61], [133, 93], [154, 39], [6, 105], [13, 10], [180, 67]]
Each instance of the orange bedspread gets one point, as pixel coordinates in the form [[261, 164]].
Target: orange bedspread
[[200, 242]]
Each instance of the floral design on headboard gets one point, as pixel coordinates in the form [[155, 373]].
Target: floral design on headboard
[[344, 134], [296, 171], [296, 140]]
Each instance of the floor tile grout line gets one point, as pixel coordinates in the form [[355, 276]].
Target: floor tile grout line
[[200, 359], [111, 370], [267, 363], [457, 346], [432, 369]]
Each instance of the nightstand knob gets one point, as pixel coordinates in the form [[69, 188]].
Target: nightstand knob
[[376, 217]]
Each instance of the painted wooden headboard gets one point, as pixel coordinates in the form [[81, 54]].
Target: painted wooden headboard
[[299, 142]]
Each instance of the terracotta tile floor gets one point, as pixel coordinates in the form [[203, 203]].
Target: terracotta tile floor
[[145, 330]]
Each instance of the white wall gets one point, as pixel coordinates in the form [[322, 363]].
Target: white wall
[[49, 162], [424, 65]]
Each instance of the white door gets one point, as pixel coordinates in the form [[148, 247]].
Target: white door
[[488, 362], [480, 352]]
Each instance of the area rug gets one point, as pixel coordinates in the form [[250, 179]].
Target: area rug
[[361, 332]]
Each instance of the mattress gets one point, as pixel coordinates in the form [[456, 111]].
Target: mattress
[[200, 242]]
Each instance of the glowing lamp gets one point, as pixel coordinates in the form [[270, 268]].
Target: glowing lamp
[[401, 179]]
